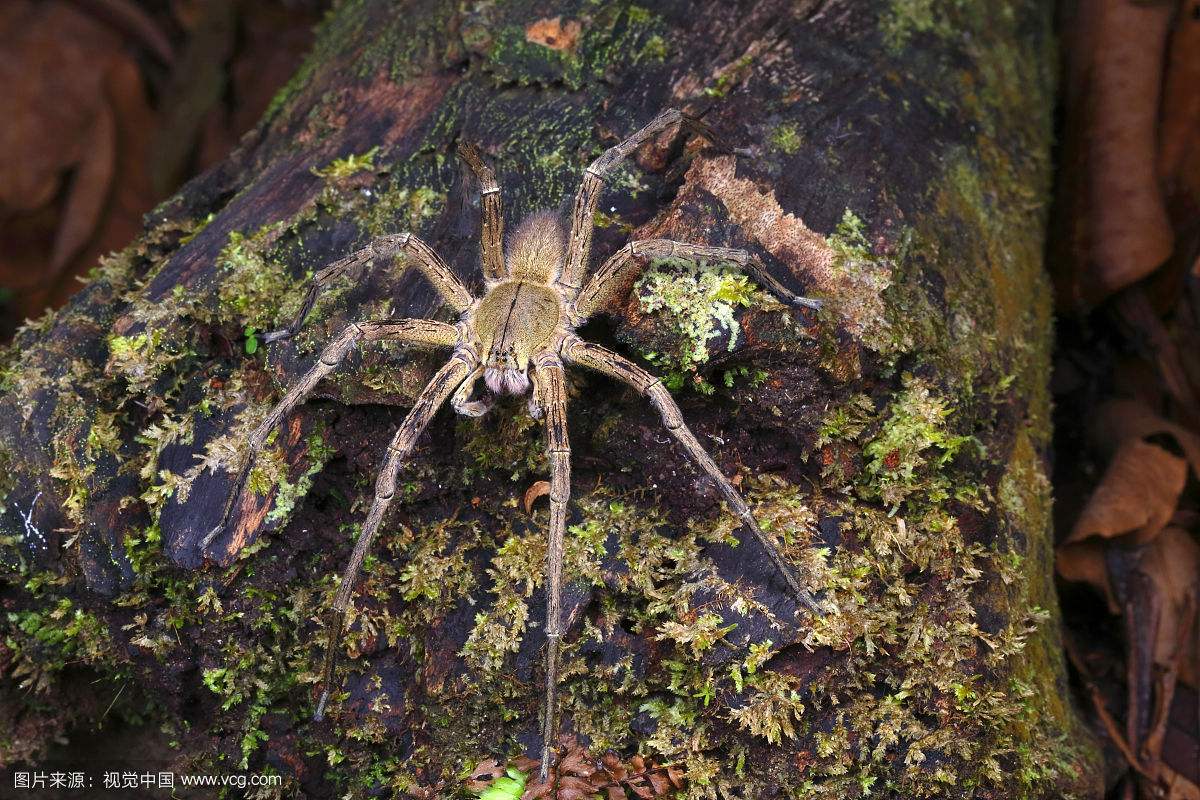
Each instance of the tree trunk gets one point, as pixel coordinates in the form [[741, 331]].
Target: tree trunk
[[894, 163]]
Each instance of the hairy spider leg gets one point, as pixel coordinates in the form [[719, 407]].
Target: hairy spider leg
[[588, 196], [424, 333], [384, 247], [606, 362], [612, 279], [551, 392], [432, 397], [492, 228]]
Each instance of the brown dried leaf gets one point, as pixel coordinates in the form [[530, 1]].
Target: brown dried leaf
[[536, 490], [1084, 562], [1176, 786], [576, 762], [1181, 100], [537, 790], [1173, 563], [1118, 420], [483, 775], [642, 791], [613, 766], [572, 786], [1137, 495], [552, 32], [1130, 234], [89, 190], [659, 782], [526, 764]]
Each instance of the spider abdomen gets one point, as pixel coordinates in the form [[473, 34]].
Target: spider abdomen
[[536, 248], [512, 322]]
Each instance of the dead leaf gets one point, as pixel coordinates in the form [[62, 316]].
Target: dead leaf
[[78, 115], [536, 490], [1084, 562], [1130, 234], [1136, 497], [1181, 100], [484, 775], [552, 32], [1119, 420], [89, 189], [1172, 561]]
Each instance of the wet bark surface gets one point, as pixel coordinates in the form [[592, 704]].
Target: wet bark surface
[[896, 167]]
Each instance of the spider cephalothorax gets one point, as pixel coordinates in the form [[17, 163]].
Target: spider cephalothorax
[[518, 337]]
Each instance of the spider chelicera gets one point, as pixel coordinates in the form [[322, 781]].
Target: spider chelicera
[[519, 336]]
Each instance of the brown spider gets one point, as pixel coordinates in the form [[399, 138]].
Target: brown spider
[[519, 334]]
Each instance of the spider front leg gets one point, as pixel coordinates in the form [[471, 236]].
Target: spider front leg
[[432, 397], [385, 247], [549, 385], [584, 213], [610, 281], [424, 333], [606, 362], [492, 230]]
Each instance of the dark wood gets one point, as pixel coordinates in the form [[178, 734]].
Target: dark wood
[[932, 127]]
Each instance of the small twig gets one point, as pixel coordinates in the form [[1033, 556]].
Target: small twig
[[1164, 690], [1110, 724], [114, 700]]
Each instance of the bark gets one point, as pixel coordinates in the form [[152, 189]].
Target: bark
[[896, 442]]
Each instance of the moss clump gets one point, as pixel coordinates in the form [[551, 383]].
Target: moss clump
[[903, 19], [254, 286], [865, 287], [503, 442], [697, 302], [912, 448], [612, 37], [787, 138], [143, 359], [46, 641], [342, 168]]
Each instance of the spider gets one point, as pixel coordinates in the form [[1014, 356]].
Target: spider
[[518, 337]]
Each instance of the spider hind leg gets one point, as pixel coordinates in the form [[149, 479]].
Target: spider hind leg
[[550, 392], [606, 362], [439, 389]]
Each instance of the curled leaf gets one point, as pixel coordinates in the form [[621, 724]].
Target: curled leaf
[[1137, 495], [536, 490]]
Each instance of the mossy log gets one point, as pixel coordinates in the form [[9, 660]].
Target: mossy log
[[895, 164]]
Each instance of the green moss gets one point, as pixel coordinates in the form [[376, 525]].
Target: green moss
[[289, 492], [45, 642], [787, 138], [912, 448], [773, 707], [342, 168], [915, 697], [253, 285], [904, 19], [697, 303], [401, 208], [143, 359], [867, 289], [502, 442]]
